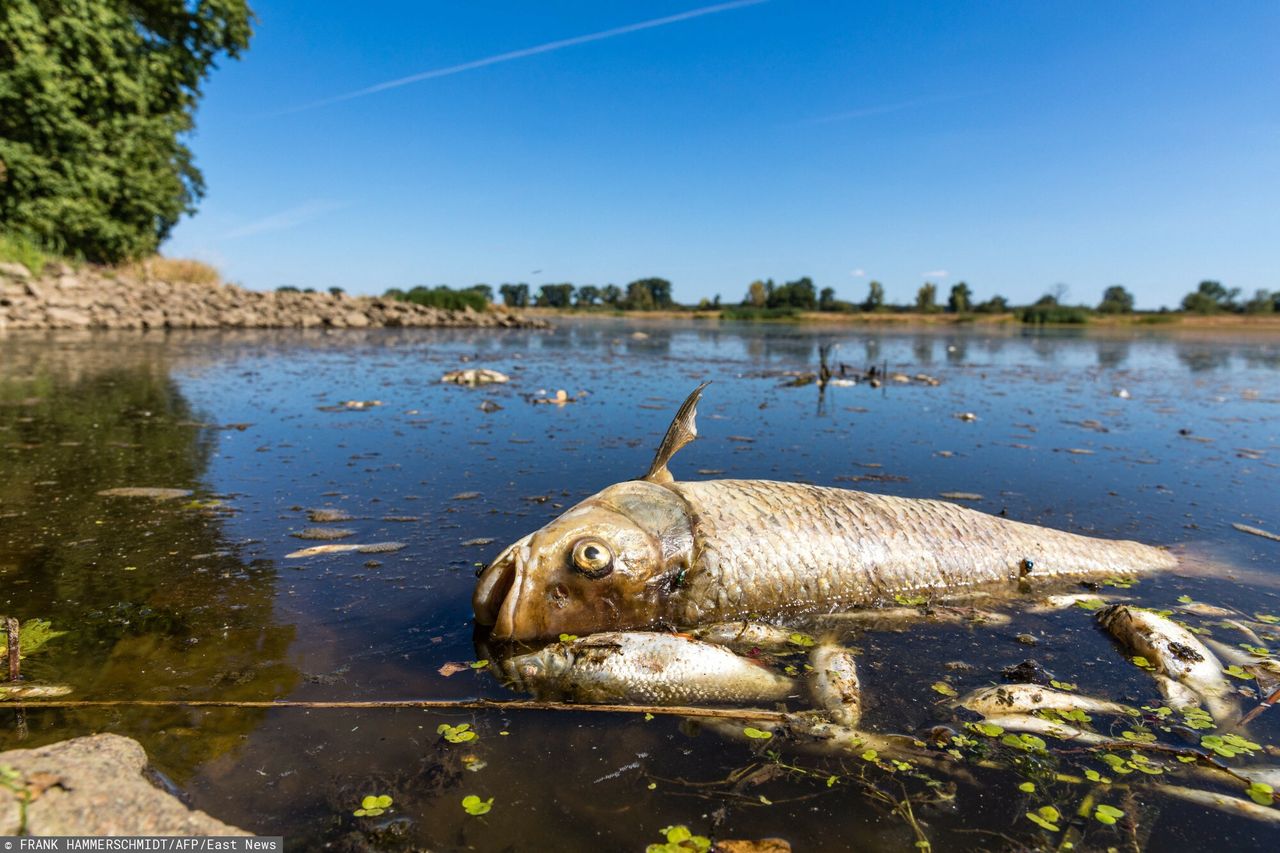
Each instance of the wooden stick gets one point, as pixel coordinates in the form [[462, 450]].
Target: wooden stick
[[420, 704], [11, 629]]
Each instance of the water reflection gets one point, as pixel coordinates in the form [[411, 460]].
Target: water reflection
[[156, 601]]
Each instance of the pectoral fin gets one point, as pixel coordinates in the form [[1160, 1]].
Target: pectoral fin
[[683, 430]]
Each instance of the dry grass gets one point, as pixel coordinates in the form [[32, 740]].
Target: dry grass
[[174, 269]]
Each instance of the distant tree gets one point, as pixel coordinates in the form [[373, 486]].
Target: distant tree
[[715, 303], [827, 299], [587, 296], [756, 295], [646, 294], [875, 297], [799, 294], [484, 290], [394, 293], [1263, 302], [336, 291], [1049, 300], [555, 295], [927, 298], [1060, 292], [288, 288], [515, 295], [995, 305], [960, 299], [1116, 300], [97, 99], [1210, 297], [611, 294]]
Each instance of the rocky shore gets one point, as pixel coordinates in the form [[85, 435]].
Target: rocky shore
[[61, 297]]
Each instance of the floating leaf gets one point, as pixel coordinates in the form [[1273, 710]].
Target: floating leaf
[[831, 780], [461, 733], [480, 664], [1268, 618], [1261, 793], [1236, 672], [1185, 599], [944, 688], [1139, 737], [757, 733], [910, 600], [1139, 660], [473, 805], [568, 638], [800, 639], [1260, 651], [32, 636], [870, 755], [1027, 787], [1045, 817], [647, 716], [1090, 604], [988, 729], [1107, 814], [1063, 685]]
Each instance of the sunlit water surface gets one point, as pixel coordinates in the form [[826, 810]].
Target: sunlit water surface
[[195, 598]]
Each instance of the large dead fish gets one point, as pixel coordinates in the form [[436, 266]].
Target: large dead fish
[[657, 552]]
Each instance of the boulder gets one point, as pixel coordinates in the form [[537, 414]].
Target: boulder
[[14, 270], [95, 786]]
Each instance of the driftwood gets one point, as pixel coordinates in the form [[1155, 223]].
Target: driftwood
[[754, 714]]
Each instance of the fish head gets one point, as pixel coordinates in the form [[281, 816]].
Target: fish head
[[611, 562]]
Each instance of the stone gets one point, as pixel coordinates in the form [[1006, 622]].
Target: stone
[[95, 786], [13, 269]]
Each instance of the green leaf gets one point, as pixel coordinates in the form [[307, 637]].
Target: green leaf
[[759, 734], [1063, 685], [1268, 618], [799, 639], [870, 755], [988, 729], [910, 600], [480, 664], [1185, 599], [1027, 787], [1104, 813], [476, 806], [1045, 817], [677, 834], [1236, 672], [944, 688], [32, 636], [568, 638], [1261, 793]]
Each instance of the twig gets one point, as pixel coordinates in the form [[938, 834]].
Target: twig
[[422, 704], [11, 629]]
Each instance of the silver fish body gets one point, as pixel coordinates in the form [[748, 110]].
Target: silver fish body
[[659, 552], [835, 686], [1026, 698], [647, 667]]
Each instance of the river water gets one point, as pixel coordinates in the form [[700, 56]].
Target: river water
[[1165, 437]]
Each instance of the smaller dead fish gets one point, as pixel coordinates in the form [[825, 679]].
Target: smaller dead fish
[[474, 376], [1173, 651], [900, 615], [835, 685], [639, 666], [20, 691], [1053, 603], [1041, 726], [1223, 803], [1200, 608], [745, 636], [1025, 698]]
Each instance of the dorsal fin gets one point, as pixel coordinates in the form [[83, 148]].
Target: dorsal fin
[[683, 430]]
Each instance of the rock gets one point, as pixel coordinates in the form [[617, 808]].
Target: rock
[[14, 270], [94, 786]]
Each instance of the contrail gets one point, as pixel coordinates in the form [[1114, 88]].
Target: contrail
[[532, 51]]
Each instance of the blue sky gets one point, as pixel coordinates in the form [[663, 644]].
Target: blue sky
[[1014, 146]]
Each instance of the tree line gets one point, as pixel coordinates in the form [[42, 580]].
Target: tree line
[[765, 297]]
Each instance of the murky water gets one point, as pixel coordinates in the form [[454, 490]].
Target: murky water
[[196, 597]]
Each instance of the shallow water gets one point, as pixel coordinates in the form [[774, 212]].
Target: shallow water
[[196, 598]]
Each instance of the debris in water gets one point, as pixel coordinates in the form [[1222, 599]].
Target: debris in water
[[965, 416], [324, 533], [474, 376], [960, 496], [144, 492], [372, 548], [325, 515], [1256, 531]]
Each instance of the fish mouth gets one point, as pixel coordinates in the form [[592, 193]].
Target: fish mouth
[[497, 597]]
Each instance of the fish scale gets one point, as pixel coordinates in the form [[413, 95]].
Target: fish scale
[[760, 544]]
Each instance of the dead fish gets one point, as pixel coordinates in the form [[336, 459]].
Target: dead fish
[[834, 684], [474, 376], [1223, 803], [654, 551], [1025, 698], [1200, 608], [20, 691], [1173, 651], [1040, 726], [745, 636], [1053, 603], [898, 615], [653, 668]]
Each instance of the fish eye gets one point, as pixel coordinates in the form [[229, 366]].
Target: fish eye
[[592, 557]]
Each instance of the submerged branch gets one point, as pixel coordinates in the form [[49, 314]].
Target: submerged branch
[[422, 704]]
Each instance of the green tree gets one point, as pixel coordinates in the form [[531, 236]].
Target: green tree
[[757, 297], [1116, 300], [1263, 302], [515, 295], [827, 299], [794, 294], [484, 290], [927, 298], [961, 298], [336, 291], [995, 305], [611, 294], [96, 99], [875, 297], [587, 296], [1210, 297], [555, 295]]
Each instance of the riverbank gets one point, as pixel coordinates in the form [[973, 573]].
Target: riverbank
[[63, 297], [1142, 320]]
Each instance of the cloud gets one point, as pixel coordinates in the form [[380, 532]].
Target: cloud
[[532, 51], [934, 274], [284, 219], [858, 273]]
